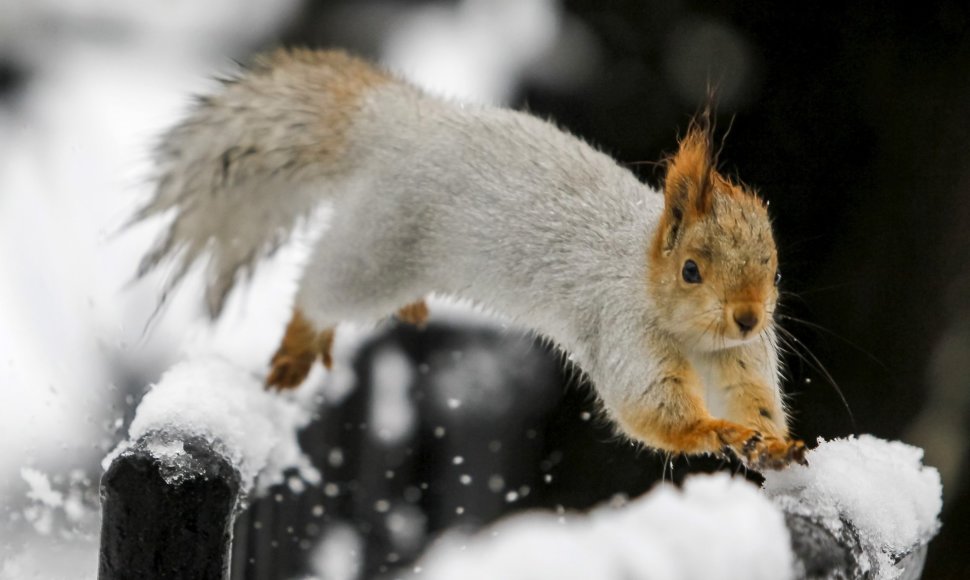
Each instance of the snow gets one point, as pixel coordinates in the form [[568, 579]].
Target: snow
[[338, 556], [716, 528], [476, 51], [73, 158], [40, 488], [53, 558], [392, 414], [407, 525], [212, 398], [881, 487]]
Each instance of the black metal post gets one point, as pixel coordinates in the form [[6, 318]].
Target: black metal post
[[821, 553], [165, 520]]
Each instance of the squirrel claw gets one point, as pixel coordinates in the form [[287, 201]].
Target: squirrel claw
[[756, 450], [751, 444], [796, 453], [774, 453]]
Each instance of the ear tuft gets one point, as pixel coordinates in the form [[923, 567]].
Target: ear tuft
[[689, 185], [690, 173]]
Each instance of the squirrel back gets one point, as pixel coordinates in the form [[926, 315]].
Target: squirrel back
[[303, 128]]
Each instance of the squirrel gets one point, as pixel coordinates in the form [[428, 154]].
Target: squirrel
[[664, 300]]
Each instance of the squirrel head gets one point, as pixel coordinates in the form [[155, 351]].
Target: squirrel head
[[714, 265]]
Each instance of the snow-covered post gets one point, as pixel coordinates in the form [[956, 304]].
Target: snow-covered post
[[170, 494], [159, 521], [863, 508]]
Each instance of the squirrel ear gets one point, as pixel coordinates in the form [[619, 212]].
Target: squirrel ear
[[690, 173], [689, 185]]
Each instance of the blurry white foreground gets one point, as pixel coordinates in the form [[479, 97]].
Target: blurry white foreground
[[716, 528]]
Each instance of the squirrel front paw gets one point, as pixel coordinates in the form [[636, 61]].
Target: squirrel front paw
[[753, 447], [756, 450], [761, 452]]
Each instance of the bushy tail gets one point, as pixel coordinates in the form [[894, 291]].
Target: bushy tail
[[250, 161]]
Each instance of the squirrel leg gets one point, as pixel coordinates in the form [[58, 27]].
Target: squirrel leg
[[754, 402], [415, 313], [750, 403], [301, 346]]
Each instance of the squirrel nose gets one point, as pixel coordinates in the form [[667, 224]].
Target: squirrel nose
[[746, 319]]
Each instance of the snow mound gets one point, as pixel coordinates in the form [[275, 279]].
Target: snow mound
[[717, 528], [881, 487], [212, 399]]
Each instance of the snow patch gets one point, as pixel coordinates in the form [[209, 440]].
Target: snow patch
[[40, 488], [338, 557], [881, 487], [475, 51], [407, 526], [210, 398], [61, 507], [167, 451], [717, 528], [53, 558], [392, 414]]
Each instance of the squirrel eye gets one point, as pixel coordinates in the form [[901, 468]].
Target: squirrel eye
[[777, 277], [691, 274]]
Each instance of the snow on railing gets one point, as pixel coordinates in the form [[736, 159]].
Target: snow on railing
[[872, 499], [718, 527], [863, 508]]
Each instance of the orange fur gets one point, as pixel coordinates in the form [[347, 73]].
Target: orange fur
[[301, 346], [691, 430], [415, 313], [681, 423]]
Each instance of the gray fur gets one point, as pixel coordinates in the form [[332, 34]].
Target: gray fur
[[482, 203]]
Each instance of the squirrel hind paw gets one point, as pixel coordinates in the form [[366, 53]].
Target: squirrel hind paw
[[288, 371], [301, 346], [291, 364], [416, 314]]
